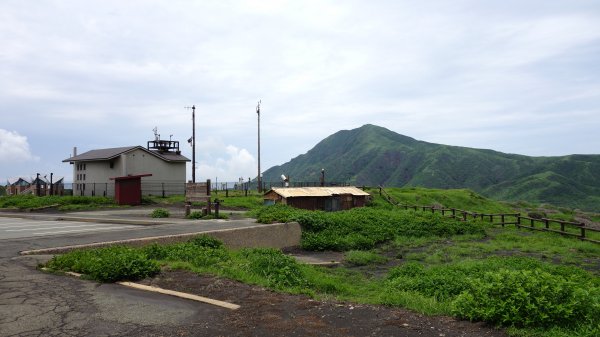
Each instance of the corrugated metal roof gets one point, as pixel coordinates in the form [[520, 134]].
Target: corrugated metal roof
[[111, 153], [291, 192]]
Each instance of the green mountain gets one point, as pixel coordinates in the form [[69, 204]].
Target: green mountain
[[372, 155]]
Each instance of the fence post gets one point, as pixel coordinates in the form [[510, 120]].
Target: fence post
[[582, 232], [464, 214], [547, 223], [518, 219], [502, 219], [531, 223], [163, 189]]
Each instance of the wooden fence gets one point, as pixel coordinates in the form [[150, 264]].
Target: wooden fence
[[569, 228]]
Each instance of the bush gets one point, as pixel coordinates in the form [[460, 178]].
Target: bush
[[198, 215], [109, 264], [195, 215], [207, 241], [276, 213], [160, 213], [528, 299], [197, 255], [363, 228], [278, 269]]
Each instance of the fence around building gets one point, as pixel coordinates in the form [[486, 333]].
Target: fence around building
[[165, 189]]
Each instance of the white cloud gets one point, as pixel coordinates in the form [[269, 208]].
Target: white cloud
[[230, 164], [14, 148]]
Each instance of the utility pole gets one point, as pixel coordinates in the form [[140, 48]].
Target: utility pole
[[259, 178], [193, 141]]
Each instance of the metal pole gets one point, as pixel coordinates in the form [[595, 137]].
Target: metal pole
[[37, 185], [259, 185], [51, 185], [193, 143]]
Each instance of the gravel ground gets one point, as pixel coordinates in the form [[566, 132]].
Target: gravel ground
[[267, 313]]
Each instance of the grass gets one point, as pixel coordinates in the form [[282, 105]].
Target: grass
[[532, 283], [363, 258], [65, 203], [434, 274], [231, 200]]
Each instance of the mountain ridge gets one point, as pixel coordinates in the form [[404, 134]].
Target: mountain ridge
[[373, 155]]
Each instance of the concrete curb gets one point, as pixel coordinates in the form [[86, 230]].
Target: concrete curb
[[179, 294], [280, 235]]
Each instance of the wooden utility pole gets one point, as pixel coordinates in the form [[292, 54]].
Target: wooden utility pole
[[259, 178]]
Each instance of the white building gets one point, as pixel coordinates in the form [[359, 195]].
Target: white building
[[93, 170]]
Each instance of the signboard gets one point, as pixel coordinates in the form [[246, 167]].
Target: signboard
[[197, 192]]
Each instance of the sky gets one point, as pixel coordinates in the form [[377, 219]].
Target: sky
[[513, 76]]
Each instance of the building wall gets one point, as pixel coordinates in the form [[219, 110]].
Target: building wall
[[93, 177], [333, 203], [140, 162]]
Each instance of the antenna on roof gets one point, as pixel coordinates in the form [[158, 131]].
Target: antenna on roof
[[156, 135]]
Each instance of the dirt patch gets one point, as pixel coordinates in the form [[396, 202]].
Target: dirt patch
[[267, 313]]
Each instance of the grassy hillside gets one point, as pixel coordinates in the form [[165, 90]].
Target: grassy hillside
[[372, 155]]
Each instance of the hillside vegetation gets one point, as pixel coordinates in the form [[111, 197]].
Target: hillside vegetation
[[372, 155]]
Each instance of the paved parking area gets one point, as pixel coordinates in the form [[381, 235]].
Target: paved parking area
[[14, 228]]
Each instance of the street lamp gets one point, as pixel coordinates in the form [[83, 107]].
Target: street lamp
[[322, 177]]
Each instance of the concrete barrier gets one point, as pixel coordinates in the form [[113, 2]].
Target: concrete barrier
[[280, 235]]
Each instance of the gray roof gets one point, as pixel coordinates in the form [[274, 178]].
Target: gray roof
[[31, 180], [111, 153]]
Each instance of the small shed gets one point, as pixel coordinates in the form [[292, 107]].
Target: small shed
[[335, 198], [128, 189]]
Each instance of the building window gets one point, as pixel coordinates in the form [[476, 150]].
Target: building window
[[84, 166], [84, 176]]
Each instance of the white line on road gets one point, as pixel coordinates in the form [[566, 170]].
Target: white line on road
[[14, 224], [87, 230], [47, 227]]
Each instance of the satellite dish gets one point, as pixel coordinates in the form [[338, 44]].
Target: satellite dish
[[283, 177]]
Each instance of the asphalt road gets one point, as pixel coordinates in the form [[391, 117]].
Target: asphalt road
[[34, 303], [14, 228]]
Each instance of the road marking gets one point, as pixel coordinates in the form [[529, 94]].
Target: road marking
[[86, 230], [14, 224], [46, 227]]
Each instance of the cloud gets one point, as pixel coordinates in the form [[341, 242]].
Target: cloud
[[14, 148], [229, 165]]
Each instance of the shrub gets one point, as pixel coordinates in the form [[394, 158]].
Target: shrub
[[160, 213], [363, 228], [278, 269], [207, 241], [527, 299], [109, 264], [195, 215], [276, 213], [155, 251]]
